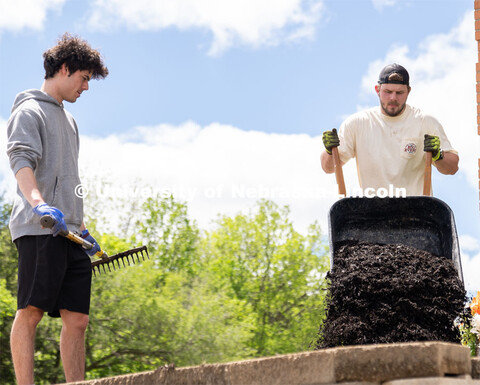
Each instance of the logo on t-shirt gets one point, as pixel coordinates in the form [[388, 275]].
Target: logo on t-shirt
[[410, 148]]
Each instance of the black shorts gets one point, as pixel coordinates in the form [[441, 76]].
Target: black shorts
[[53, 273]]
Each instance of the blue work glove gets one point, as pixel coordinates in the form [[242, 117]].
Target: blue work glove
[[56, 214], [431, 144], [96, 248], [330, 139]]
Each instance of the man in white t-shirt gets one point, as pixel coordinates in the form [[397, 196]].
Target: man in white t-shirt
[[389, 141]]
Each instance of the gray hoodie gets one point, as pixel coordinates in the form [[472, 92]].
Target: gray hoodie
[[42, 135]]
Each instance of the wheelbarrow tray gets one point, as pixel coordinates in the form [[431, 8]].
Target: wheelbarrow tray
[[423, 222]]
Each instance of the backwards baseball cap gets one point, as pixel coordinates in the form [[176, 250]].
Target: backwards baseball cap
[[395, 74]]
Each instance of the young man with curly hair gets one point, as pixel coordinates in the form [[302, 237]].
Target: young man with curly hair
[[54, 274]]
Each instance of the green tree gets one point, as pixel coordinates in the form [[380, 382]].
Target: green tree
[[8, 260], [164, 226], [8, 288], [7, 312], [252, 286], [164, 310], [276, 270]]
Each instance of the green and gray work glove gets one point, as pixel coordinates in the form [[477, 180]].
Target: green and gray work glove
[[432, 144], [330, 139]]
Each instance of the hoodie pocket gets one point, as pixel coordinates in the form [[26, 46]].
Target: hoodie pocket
[[67, 199]]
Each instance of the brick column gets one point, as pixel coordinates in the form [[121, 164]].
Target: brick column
[[477, 38]]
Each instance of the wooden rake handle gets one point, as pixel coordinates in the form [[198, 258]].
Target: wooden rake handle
[[427, 179], [48, 221]]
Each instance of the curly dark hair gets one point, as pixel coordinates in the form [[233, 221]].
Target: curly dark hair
[[77, 55]]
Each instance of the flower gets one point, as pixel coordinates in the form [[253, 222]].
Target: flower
[[476, 325], [475, 304], [468, 324]]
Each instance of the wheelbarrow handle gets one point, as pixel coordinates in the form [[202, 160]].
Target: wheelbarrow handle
[[337, 165], [427, 179], [338, 172]]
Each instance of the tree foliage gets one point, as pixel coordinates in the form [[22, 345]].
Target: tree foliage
[[167, 231], [251, 286], [8, 290], [276, 270]]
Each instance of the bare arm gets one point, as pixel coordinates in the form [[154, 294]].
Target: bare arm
[[28, 186], [327, 162], [448, 165]]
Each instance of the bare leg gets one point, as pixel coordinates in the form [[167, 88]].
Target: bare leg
[[72, 344], [22, 342]]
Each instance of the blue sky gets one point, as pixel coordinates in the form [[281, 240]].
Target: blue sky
[[224, 102]]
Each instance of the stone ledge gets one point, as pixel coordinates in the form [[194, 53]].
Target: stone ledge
[[476, 368], [434, 381], [355, 365], [380, 363]]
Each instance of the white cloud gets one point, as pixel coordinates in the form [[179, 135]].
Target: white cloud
[[469, 243], [443, 79], [7, 181], [217, 169], [249, 22], [26, 14], [471, 268], [470, 252]]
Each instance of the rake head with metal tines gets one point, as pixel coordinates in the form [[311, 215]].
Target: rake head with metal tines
[[133, 256]]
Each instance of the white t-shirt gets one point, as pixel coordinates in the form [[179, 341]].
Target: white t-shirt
[[389, 150]]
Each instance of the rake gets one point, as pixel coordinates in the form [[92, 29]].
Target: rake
[[129, 257], [134, 255]]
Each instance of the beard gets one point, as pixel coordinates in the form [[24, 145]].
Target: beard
[[393, 109]]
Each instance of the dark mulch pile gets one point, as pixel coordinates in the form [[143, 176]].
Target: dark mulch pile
[[390, 293]]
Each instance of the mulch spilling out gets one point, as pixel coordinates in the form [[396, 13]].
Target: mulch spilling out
[[390, 293]]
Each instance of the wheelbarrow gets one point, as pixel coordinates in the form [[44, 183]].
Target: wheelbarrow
[[423, 222]]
